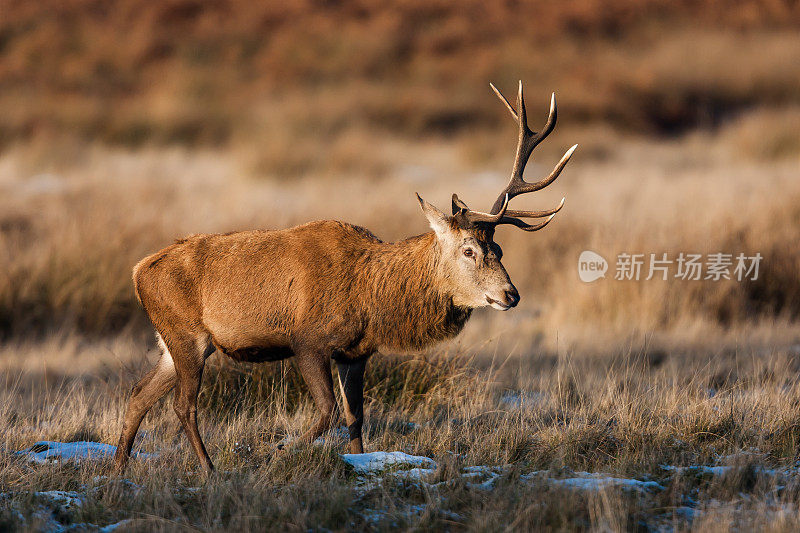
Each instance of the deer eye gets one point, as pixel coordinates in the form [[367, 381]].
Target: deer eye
[[469, 252]]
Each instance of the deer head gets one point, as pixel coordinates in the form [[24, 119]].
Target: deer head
[[469, 259]]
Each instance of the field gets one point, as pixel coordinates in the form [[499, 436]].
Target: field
[[653, 405], [689, 441]]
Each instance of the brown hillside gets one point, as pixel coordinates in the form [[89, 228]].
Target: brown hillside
[[185, 71]]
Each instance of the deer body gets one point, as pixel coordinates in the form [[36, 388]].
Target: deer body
[[322, 291], [264, 295]]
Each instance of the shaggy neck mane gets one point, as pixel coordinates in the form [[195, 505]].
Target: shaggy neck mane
[[413, 309]]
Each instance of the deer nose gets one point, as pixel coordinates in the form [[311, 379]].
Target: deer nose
[[512, 297]]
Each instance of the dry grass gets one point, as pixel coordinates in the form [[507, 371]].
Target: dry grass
[[625, 414], [611, 377], [211, 117], [71, 227]]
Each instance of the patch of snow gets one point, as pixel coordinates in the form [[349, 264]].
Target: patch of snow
[[533, 475], [750, 453], [416, 474], [488, 474], [374, 516], [17, 517], [368, 484], [66, 500], [112, 527], [376, 462], [371, 466], [786, 473], [599, 483], [698, 469], [479, 469], [486, 485], [54, 511], [44, 452], [103, 483], [592, 481], [665, 523], [50, 508], [46, 522], [686, 513]]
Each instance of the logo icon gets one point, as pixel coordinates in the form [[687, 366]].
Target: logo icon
[[591, 266]]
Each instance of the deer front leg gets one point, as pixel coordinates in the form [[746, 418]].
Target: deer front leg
[[351, 384], [316, 371]]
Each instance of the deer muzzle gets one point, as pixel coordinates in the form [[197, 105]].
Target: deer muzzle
[[508, 299]]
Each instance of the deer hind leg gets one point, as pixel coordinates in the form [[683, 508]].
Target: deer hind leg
[[152, 387], [351, 385], [316, 372], [189, 355]]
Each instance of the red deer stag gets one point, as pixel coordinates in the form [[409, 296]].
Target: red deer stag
[[321, 291]]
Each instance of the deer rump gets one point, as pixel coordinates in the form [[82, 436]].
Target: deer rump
[[256, 293]]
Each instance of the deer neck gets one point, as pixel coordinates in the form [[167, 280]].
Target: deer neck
[[414, 307]]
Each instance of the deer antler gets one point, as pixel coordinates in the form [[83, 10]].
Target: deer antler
[[528, 140]]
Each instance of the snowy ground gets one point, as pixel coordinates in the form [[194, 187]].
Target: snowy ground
[[61, 510], [52, 452]]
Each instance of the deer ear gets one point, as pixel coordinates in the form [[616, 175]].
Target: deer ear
[[440, 223]]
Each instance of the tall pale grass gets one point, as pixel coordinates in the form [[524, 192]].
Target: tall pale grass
[[69, 238]]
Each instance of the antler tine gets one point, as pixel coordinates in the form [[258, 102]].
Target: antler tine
[[526, 227], [528, 140], [503, 99], [460, 209], [522, 115], [513, 218], [535, 214], [544, 182]]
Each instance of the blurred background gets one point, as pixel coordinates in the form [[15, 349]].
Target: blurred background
[[126, 124]]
